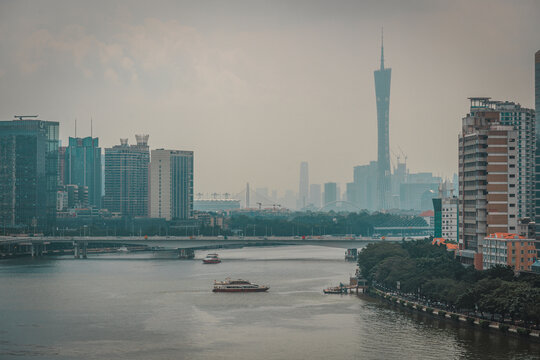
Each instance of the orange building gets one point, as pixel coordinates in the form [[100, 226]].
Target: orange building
[[508, 249]]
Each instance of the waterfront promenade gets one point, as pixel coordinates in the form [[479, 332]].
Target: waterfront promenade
[[397, 299]]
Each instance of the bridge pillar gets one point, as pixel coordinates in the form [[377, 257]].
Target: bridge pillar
[[186, 254], [351, 254], [84, 248], [33, 250], [76, 250]]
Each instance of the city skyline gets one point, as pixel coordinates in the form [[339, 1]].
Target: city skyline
[[212, 85]]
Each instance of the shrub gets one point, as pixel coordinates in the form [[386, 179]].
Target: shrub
[[470, 320], [484, 324], [503, 327], [442, 313], [523, 331], [429, 310], [454, 317], [410, 305]]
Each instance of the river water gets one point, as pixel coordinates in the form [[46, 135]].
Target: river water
[[138, 306]]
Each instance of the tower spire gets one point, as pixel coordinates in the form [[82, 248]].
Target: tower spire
[[382, 48]]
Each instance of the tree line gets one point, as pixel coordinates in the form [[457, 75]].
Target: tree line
[[430, 272]]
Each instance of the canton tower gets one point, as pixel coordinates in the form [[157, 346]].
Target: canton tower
[[382, 92]]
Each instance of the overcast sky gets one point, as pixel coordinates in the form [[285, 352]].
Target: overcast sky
[[256, 87]]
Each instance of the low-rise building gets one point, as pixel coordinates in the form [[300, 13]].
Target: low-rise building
[[508, 249]]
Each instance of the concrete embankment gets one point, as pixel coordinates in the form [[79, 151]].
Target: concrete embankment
[[458, 317]]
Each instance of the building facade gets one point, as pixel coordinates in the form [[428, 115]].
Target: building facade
[[330, 193], [508, 249], [472, 175], [523, 121], [28, 173], [303, 187], [495, 170], [126, 178], [82, 166], [446, 218], [537, 133], [61, 164], [365, 182], [171, 184], [315, 195]]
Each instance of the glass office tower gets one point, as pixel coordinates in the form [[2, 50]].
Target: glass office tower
[[82, 167], [28, 174]]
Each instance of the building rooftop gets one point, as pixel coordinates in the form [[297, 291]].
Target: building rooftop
[[427, 213]]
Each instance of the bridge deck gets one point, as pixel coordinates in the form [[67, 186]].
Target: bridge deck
[[193, 242]]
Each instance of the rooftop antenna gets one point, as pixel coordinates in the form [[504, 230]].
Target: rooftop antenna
[[382, 48], [75, 127], [91, 127]]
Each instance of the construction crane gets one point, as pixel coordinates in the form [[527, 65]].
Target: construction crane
[[272, 205], [403, 153], [21, 117]]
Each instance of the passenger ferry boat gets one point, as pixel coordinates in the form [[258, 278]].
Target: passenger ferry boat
[[237, 286], [211, 259]]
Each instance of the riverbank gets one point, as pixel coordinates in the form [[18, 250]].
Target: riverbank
[[483, 324]]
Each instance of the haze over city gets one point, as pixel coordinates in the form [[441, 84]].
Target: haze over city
[[254, 88]]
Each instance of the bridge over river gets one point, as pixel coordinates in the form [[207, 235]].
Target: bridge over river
[[39, 244]]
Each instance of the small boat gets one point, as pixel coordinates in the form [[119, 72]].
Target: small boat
[[336, 290], [333, 290], [211, 259], [237, 286]]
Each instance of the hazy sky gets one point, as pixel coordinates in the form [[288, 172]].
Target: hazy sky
[[256, 87]]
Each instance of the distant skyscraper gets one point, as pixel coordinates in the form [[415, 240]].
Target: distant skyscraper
[[126, 177], [315, 195], [82, 167], [330, 193], [28, 173], [304, 185], [382, 92], [537, 157], [171, 184], [365, 180]]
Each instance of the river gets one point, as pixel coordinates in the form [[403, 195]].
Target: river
[[139, 306]]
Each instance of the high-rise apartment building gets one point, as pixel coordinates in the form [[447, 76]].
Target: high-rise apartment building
[[495, 176], [171, 184], [382, 92], [126, 177], [537, 133], [28, 173], [523, 121], [303, 188], [82, 166]]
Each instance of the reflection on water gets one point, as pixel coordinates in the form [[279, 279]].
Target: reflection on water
[[136, 306]]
